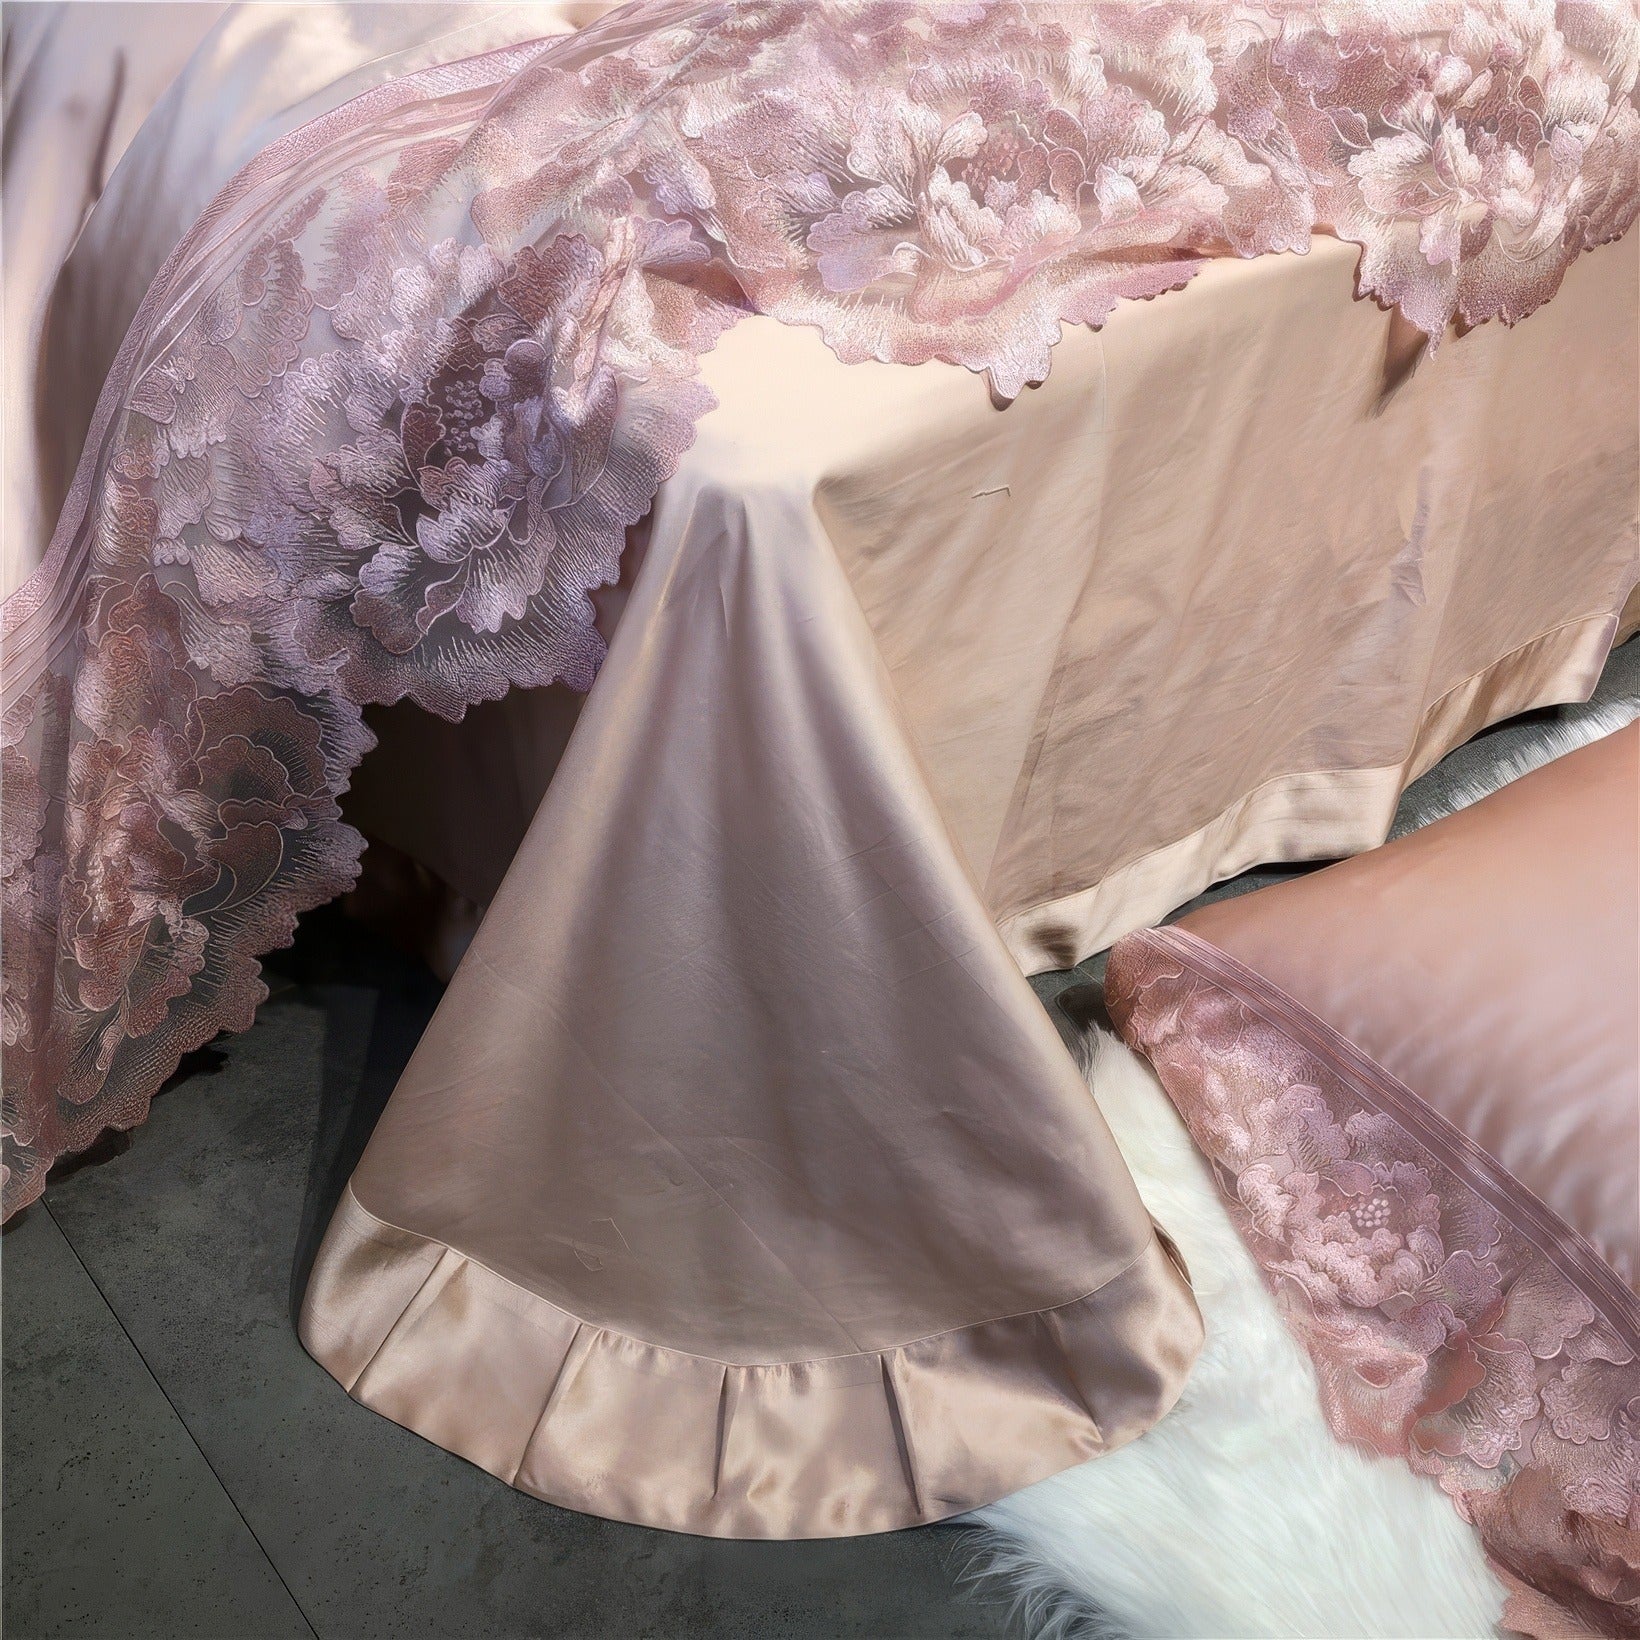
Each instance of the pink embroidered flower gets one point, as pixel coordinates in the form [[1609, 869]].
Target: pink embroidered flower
[[163, 814], [1544, 1311], [1296, 1122], [127, 875], [1370, 1384], [946, 186], [479, 447], [1582, 1401], [1467, 193], [132, 821], [1481, 1395], [28, 882], [1369, 1249], [1423, 170]]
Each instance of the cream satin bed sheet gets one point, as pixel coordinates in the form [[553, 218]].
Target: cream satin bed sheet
[[908, 692]]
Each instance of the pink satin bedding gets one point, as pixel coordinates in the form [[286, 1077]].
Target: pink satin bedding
[[1418, 1075], [739, 1184]]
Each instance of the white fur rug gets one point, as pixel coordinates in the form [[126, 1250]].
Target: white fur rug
[[1241, 1514]]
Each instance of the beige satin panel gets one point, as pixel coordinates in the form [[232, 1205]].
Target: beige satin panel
[[1492, 964], [1208, 597]]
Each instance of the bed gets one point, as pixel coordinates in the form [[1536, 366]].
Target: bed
[[740, 1184]]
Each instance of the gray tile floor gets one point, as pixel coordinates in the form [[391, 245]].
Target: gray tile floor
[[175, 1465]]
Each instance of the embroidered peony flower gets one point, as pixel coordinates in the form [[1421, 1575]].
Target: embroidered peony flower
[[479, 450], [1371, 1248], [1582, 1401], [943, 184], [1544, 1311], [1481, 1395], [1370, 1385], [177, 804], [1485, 163]]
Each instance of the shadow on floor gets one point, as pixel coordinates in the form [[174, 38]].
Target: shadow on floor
[[352, 1097]]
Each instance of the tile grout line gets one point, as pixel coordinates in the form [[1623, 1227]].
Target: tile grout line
[[119, 1321]]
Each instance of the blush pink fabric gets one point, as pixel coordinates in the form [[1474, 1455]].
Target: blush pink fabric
[[386, 413], [1418, 1076], [662, 1223]]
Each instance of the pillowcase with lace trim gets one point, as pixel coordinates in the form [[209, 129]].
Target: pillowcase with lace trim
[[1417, 1075]]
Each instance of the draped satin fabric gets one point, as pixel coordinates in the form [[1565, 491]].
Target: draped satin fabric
[[1262, 592], [759, 1199], [1418, 1074], [748, 940]]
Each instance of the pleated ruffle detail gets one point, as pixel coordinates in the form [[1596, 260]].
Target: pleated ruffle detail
[[595, 1420]]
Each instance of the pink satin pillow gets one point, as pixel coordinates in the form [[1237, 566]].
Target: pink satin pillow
[[1491, 964], [1417, 1074]]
